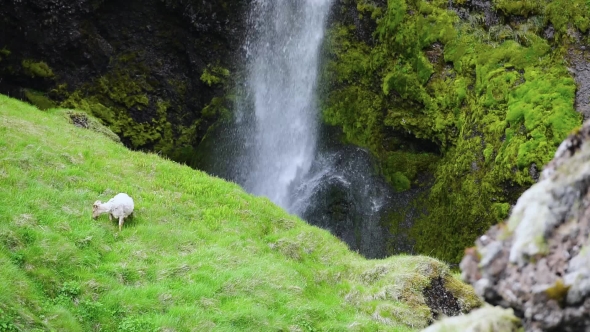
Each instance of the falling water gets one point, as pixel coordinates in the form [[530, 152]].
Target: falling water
[[283, 56], [272, 148]]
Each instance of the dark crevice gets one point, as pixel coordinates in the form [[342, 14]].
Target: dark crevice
[[440, 300]]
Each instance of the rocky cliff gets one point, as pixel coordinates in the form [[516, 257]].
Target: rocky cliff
[[153, 71]]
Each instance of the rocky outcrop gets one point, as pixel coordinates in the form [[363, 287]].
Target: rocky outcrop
[[538, 262], [579, 58]]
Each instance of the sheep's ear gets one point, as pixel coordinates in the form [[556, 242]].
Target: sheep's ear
[[96, 204]]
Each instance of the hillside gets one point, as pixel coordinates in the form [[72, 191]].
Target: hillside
[[200, 254], [457, 101]]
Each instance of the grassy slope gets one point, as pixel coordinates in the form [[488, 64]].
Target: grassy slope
[[200, 254]]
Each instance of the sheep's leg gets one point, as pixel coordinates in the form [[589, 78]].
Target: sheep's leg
[[110, 217], [121, 221]]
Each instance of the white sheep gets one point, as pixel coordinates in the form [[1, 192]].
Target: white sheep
[[119, 207]]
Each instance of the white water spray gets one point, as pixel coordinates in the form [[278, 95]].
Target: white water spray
[[283, 56], [272, 148]]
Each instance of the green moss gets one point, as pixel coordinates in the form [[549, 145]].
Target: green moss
[[180, 86], [214, 75], [115, 96], [494, 101], [561, 13], [123, 100], [216, 108], [4, 52], [399, 181], [500, 210], [400, 168], [39, 99], [36, 68], [156, 133], [367, 6], [558, 291], [121, 89]]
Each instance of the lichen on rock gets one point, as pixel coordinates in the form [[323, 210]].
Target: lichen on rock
[[486, 319], [538, 263]]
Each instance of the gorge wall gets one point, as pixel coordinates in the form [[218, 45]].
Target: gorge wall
[[465, 99], [153, 71], [461, 102]]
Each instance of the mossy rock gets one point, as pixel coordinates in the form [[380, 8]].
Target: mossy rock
[[494, 100], [37, 68]]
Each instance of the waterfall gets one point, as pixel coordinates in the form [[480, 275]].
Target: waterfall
[[283, 56], [273, 148]]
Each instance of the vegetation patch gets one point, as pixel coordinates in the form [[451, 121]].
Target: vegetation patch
[[36, 68], [122, 104], [199, 254], [124, 100], [214, 75], [39, 99], [496, 102], [562, 14]]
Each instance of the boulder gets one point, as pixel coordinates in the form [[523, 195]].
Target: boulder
[[538, 262]]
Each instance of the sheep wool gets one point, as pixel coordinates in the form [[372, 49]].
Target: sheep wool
[[119, 207]]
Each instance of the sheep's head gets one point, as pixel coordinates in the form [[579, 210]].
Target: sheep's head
[[96, 209]]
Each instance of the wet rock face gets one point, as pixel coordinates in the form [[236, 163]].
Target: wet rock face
[[579, 59], [335, 196], [485, 7], [538, 263], [161, 46], [82, 35]]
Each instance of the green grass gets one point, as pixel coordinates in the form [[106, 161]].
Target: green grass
[[200, 254]]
